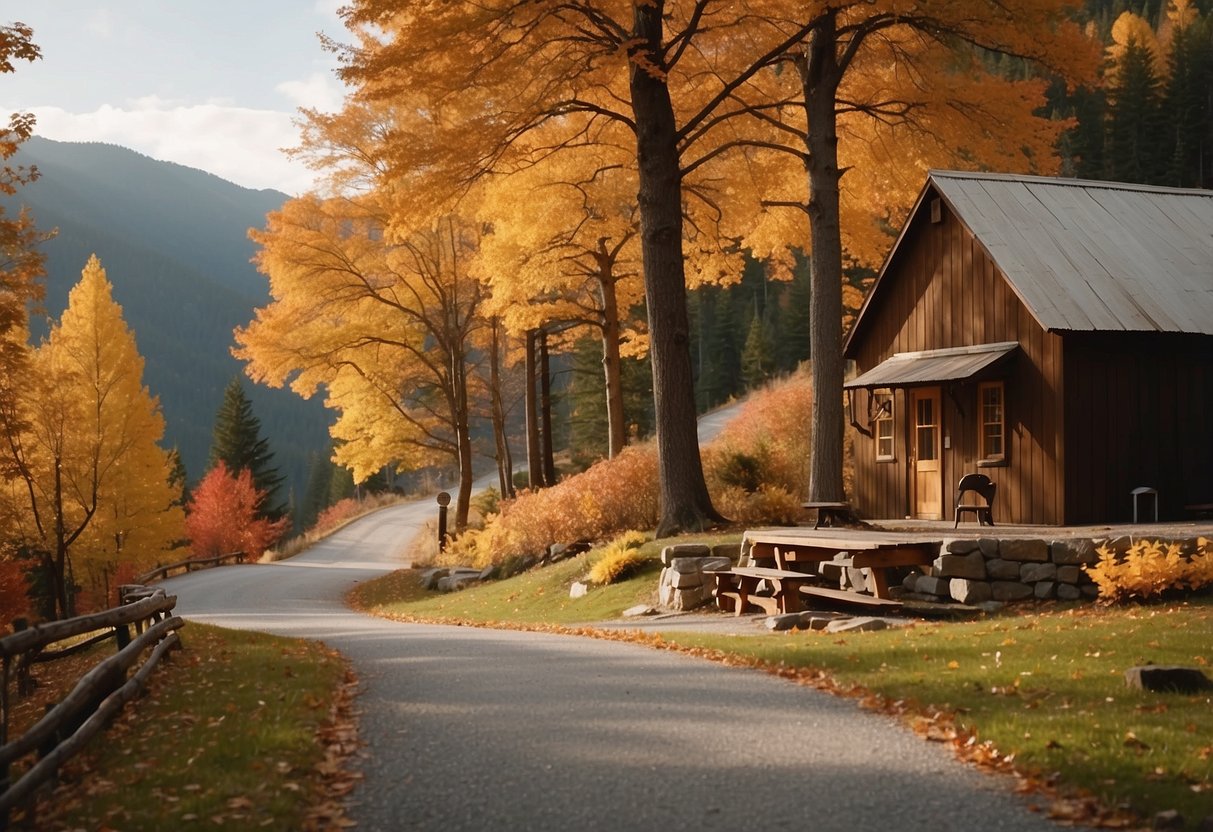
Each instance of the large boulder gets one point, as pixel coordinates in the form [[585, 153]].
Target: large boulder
[[971, 566], [1168, 679]]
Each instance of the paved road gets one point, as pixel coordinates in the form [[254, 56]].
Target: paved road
[[471, 729]]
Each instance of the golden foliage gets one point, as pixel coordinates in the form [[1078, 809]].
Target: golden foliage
[[621, 558], [621, 493], [1150, 569]]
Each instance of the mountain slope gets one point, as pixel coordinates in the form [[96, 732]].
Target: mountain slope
[[173, 241]]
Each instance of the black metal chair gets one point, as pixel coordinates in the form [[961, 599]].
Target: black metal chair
[[981, 485]]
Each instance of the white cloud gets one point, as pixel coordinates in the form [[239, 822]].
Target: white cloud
[[319, 91], [238, 144], [100, 24]]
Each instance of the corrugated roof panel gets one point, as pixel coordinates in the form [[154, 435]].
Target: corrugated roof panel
[[1085, 255], [933, 366]]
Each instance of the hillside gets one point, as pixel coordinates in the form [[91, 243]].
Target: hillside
[[173, 241]]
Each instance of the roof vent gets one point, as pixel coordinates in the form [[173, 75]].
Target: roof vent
[[936, 210]]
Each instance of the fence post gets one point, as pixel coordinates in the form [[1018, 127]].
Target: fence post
[[444, 500]]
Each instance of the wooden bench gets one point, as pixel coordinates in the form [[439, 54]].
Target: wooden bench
[[832, 514], [1200, 509], [737, 588], [874, 551]]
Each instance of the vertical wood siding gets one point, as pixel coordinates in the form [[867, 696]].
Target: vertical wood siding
[[941, 290], [1137, 414]]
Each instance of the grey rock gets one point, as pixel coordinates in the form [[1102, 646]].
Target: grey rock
[[1168, 820], [991, 606], [1069, 574], [579, 590], [1168, 679], [687, 565], [1068, 592], [911, 579], [1031, 573], [819, 619], [967, 591], [715, 564], [1010, 591], [685, 580], [639, 611], [988, 546], [856, 625], [1044, 590], [778, 623], [1074, 552], [488, 573], [930, 585], [665, 595], [1089, 591], [430, 577], [689, 599], [1026, 549], [729, 551], [961, 566], [962, 546], [684, 550], [1002, 570]]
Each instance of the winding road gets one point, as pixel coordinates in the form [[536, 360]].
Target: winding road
[[471, 729]]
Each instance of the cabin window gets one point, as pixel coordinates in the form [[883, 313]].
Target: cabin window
[[882, 424], [992, 408]]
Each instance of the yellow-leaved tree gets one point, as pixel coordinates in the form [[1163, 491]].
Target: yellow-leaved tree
[[92, 489], [384, 322]]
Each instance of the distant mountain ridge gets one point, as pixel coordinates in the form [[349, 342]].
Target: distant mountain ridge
[[174, 243]]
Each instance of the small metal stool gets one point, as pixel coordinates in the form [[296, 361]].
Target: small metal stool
[[1137, 492]]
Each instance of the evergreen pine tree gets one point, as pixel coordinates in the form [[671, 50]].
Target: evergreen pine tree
[[316, 497], [588, 429], [1189, 106], [237, 442], [758, 356], [1134, 149]]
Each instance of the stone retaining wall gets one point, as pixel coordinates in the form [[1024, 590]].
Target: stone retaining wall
[[972, 571]]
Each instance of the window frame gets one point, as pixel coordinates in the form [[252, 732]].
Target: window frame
[[987, 459], [884, 417]]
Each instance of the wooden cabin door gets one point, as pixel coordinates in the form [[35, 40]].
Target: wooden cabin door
[[927, 473]]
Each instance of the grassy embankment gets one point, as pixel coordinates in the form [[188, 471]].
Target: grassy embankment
[[240, 730], [1038, 689]]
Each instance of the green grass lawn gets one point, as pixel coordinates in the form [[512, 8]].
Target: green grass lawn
[[237, 731], [1039, 687]]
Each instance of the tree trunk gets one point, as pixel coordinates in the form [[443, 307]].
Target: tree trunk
[[545, 410], [505, 464], [534, 462], [821, 75], [612, 368], [685, 503], [463, 439]]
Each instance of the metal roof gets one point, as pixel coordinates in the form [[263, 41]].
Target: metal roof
[[1094, 256], [932, 366]]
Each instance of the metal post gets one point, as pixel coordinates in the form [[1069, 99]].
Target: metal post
[[444, 500]]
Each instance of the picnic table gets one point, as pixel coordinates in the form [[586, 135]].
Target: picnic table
[[776, 553]]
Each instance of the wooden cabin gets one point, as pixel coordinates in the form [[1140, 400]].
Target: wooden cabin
[[1054, 334]]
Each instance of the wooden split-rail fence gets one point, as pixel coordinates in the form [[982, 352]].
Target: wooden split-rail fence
[[143, 622]]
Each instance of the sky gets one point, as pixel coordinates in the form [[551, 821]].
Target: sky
[[214, 85]]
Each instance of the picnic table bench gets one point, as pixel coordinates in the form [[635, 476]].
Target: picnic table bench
[[737, 588], [875, 552]]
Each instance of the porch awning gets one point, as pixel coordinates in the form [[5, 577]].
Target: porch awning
[[905, 369]]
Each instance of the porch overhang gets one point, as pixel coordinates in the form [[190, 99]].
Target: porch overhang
[[909, 369]]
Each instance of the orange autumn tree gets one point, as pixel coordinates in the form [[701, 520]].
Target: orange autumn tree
[[222, 516], [680, 83]]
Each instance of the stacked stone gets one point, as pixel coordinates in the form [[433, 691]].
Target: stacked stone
[[686, 581], [1012, 569]]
